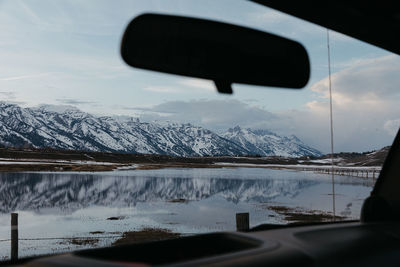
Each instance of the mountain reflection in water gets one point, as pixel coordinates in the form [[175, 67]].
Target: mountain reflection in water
[[72, 191]]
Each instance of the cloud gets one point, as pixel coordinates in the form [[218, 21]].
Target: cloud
[[218, 115], [392, 126], [72, 101], [8, 95], [19, 103], [34, 18], [339, 37], [199, 84], [272, 16], [365, 99], [63, 17], [56, 108], [367, 80], [22, 77], [182, 85], [162, 89], [272, 19]]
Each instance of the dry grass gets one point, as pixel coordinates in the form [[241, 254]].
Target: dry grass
[[98, 167], [116, 218], [84, 241], [145, 161], [299, 215], [145, 235], [78, 241], [176, 165], [96, 232], [178, 200], [56, 167], [202, 165]]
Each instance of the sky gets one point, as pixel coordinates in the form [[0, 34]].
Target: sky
[[67, 53]]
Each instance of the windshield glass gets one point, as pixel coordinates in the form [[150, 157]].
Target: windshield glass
[[96, 153]]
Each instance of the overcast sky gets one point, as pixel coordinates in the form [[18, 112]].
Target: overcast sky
[[67, 53]]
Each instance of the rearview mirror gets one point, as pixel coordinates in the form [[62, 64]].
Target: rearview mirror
[[216, 51]]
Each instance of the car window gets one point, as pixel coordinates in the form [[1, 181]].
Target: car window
[[95, 153]]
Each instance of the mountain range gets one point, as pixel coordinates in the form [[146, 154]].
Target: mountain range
[[70, 128]]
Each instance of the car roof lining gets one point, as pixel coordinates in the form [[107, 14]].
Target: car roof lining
[[377, 22]]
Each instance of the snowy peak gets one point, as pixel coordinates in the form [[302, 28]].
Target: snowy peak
[[266, 143], [58, 108], [73, 129], [66, 127]]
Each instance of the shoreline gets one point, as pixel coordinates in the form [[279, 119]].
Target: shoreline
[[89, 166], [52, 160]]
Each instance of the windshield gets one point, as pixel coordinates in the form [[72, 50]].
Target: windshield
[[96, 153]]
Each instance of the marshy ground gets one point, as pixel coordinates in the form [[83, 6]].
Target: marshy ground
[[301, 216]]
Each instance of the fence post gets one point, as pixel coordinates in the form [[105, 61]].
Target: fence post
[[242, 222], [14, 236]]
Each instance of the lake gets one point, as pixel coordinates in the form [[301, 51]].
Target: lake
[[54, 207]]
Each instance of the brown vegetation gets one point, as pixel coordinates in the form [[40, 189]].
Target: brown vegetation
[[49, 160], [96, 232], [128, 158], [178, 200], [84, 241], [81, 241], [145, 235], [55, 167], [116, 218], [298, 215]]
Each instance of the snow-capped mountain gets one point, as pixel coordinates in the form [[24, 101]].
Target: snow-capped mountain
[[73, 129], [70, 128], [267, 143]]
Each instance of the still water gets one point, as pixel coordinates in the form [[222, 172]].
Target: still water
[[66, 205]]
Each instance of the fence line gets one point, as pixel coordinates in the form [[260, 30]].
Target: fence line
[[344, 171]]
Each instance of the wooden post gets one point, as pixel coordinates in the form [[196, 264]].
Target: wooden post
[[242, 222], [14, 236]]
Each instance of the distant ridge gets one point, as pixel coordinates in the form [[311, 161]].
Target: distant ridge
[[267, 143], [70, 128]]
